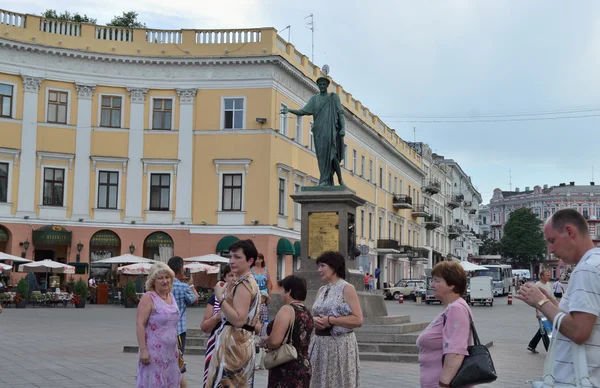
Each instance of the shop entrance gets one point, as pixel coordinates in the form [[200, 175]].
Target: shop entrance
[[104, 244], [51, 242]]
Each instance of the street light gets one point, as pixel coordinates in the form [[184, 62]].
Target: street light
[[79, 246], [26, 247], [131, 248]]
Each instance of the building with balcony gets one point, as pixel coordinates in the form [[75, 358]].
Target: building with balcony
[[171, 142], [545, 201]]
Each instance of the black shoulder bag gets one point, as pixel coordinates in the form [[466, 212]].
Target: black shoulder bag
[[478, 367]]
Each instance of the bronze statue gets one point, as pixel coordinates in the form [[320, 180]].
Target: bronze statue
[[329, 129]]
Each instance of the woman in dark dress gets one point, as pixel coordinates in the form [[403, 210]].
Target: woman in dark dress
[[296, 373]]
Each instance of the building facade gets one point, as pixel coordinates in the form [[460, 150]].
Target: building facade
[[545, 201], [155, 143]]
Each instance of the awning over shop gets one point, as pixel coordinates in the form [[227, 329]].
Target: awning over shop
[[158, 239], [3, 235], [105, 238], [52, 235], [224, 243], [285, 247], [297, 247]]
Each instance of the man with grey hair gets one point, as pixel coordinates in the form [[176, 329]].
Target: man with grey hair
[[568, 237], [540, 334]]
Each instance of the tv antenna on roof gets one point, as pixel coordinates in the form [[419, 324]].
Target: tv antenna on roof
[[311, 27]]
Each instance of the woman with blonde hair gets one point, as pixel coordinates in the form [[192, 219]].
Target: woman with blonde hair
[[156, 327]]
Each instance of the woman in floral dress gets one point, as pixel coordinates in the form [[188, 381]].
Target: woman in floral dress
[[232, 363], [294, 373], [157, 319]]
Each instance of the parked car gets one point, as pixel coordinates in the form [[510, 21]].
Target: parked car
[[429, 294], [481, 290], [405, 287]]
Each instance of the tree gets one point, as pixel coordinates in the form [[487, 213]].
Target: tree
[[127, 20], [490, 247], [523, 242], [68, 17]]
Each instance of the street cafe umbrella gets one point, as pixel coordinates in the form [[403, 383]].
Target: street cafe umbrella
[[467, 266], [47, 266], [212, 258], [5, 267], [14, 259], [125, 259], [200, 267], [136, 269]]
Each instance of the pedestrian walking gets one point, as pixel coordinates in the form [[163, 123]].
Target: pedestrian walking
[[568, 238], [367, 282], [541, 333], [559, 289]]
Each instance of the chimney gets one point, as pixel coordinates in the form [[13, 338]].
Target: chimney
[[545, 187], [592, 183], [571, 183], [526, 188], [517, 190]]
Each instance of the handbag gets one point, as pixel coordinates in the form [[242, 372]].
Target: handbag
[[478, 367], [582, 379], [180, 360], [284, 353]]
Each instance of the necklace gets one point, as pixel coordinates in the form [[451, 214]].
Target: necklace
[[163, 297]]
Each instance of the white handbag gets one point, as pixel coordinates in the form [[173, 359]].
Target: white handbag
[[582, 379]]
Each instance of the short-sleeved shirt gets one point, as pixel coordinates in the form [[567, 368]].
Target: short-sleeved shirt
[[439, 339], [583, 295], [184, 296], [548, 288]]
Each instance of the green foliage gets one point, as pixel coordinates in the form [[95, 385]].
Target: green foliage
[[23, 289], [129, 291], [523, 242], [127, 20], [490, 247], [71, 283], [81, 289], [67, 16]]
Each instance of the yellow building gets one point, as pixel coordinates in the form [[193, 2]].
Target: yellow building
[[114, 134]]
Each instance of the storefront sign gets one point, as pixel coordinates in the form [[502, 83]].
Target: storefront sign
[[51, 235], [323, 233], [105, 238], [158, 239]]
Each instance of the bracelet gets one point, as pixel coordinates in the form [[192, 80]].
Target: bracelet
[[444, 385], [328, 321]]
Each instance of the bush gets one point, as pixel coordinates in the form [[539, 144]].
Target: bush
[[71, 284], [81, 289], [130, 293], [23, 289]]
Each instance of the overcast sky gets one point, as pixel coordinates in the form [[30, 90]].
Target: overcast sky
[[408, 59]]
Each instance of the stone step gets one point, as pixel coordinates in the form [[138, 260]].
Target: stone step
[[403, 328], [387, 320], [389, 357], [387, 348], [195, 350], [195, 341], [387, 338], [195, 333]]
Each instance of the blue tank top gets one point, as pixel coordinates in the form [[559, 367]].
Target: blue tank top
[[261, 280]]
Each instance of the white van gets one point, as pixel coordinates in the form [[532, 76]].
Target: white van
[[481, 290]]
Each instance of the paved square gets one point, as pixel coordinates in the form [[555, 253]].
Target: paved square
[[67, 347]]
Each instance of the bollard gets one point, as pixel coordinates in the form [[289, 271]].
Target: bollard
[[510, 299], [419, 298], [401, 298]]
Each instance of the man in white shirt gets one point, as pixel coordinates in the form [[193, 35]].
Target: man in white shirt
[[93, 287], [545, 284], [568, 237]]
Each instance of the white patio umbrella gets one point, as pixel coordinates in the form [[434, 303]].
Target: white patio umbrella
[[14, 259], [47, 266], [136, 269], [212, 258], [200, 267], [467, 266], [125, 259], [5, 267]]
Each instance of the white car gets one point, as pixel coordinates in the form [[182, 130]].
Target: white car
[[404, 287]]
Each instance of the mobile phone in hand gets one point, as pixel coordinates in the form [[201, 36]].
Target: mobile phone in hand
[[188, 273]]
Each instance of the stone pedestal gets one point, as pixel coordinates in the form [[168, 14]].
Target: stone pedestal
[[328, 224]]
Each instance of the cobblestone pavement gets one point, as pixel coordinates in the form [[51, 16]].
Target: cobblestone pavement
[[65, 347]]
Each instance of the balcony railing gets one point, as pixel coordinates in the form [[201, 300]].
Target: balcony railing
[[455, 201], [402, 201], [60, 27], [388, 244], [473, 211], [117, 34], [228, 36], [432, 187], [12, 19], [164, 37], [432, 221], [420, 211], [468, 204]]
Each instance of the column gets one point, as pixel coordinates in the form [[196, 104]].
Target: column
[[183, 211], [27, 168], [81, 186], [133, 200]]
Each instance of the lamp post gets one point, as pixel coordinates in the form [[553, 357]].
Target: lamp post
[[26, 247], [131, 248], [79, 248]]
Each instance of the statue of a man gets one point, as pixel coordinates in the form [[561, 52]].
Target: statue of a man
[[329, 129]]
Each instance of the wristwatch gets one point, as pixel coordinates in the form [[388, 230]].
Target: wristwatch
[[542, 302]]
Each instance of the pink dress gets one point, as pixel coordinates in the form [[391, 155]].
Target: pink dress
[[439, 339], [161, 340]]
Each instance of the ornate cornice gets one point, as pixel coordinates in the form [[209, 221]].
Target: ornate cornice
[[85, 91], [186, 96], [32, 84], [138, 95]]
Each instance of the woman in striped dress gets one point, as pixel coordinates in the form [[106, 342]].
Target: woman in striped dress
[[212, 319]]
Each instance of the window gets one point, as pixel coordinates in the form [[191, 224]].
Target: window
[[311, 137], [370, 226], [395, 184], [395, 231], [362, 223], [281, 197], [110, 112], [355, 161], [280, 267], [283, 122], [54, 186], [409, 237], [57, 107], [3, 182], [390, 182], [108, 189], [362, 166], [297, 206], [381, 177], [162, 114], [6, 100], [380, 227], [598, 213], [233, 113], [409, 192], [345, 162], [370, 170], [389, 229], [586, 212], [160, 191], [232, 192], [299, 131]]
